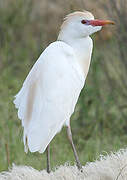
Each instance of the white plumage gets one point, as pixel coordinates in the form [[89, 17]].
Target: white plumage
[[50, 92], [49, 95]]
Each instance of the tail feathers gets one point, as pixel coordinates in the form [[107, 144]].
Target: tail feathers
[[39, 139], [42, 124]]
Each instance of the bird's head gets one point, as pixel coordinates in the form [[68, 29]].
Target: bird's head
[[81, 24]]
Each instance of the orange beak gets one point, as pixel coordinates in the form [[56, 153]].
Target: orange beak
[[98, 22]]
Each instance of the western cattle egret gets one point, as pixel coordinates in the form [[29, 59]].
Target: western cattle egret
[[50, 92]]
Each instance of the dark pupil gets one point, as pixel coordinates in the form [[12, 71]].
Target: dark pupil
[[83, 21]]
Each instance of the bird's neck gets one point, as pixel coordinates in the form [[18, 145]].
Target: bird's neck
[[82, 48]]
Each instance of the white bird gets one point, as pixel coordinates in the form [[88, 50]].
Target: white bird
[[50, 92]]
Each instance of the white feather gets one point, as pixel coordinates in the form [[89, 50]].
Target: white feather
[[49, 94]]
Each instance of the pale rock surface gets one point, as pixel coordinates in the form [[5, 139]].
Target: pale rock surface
[[109, 167]]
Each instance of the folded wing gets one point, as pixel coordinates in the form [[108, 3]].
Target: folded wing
[[48, 96]]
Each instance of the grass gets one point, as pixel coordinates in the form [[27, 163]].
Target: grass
[[88, 148], [97, 123], [89, 139]]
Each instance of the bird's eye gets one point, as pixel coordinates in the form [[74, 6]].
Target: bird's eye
[[83, 21]]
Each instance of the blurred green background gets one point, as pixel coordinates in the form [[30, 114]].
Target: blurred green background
[[99, 123]]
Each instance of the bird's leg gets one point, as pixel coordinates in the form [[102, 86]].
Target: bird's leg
[[48, 159], [69, 133]]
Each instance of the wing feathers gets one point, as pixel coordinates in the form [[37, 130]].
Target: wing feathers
[[48, 96]]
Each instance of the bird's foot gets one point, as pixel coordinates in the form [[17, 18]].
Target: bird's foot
[[79, 166], [48, 169]]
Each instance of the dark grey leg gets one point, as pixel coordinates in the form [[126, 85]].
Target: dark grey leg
[[69, 133], [48, 159]]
